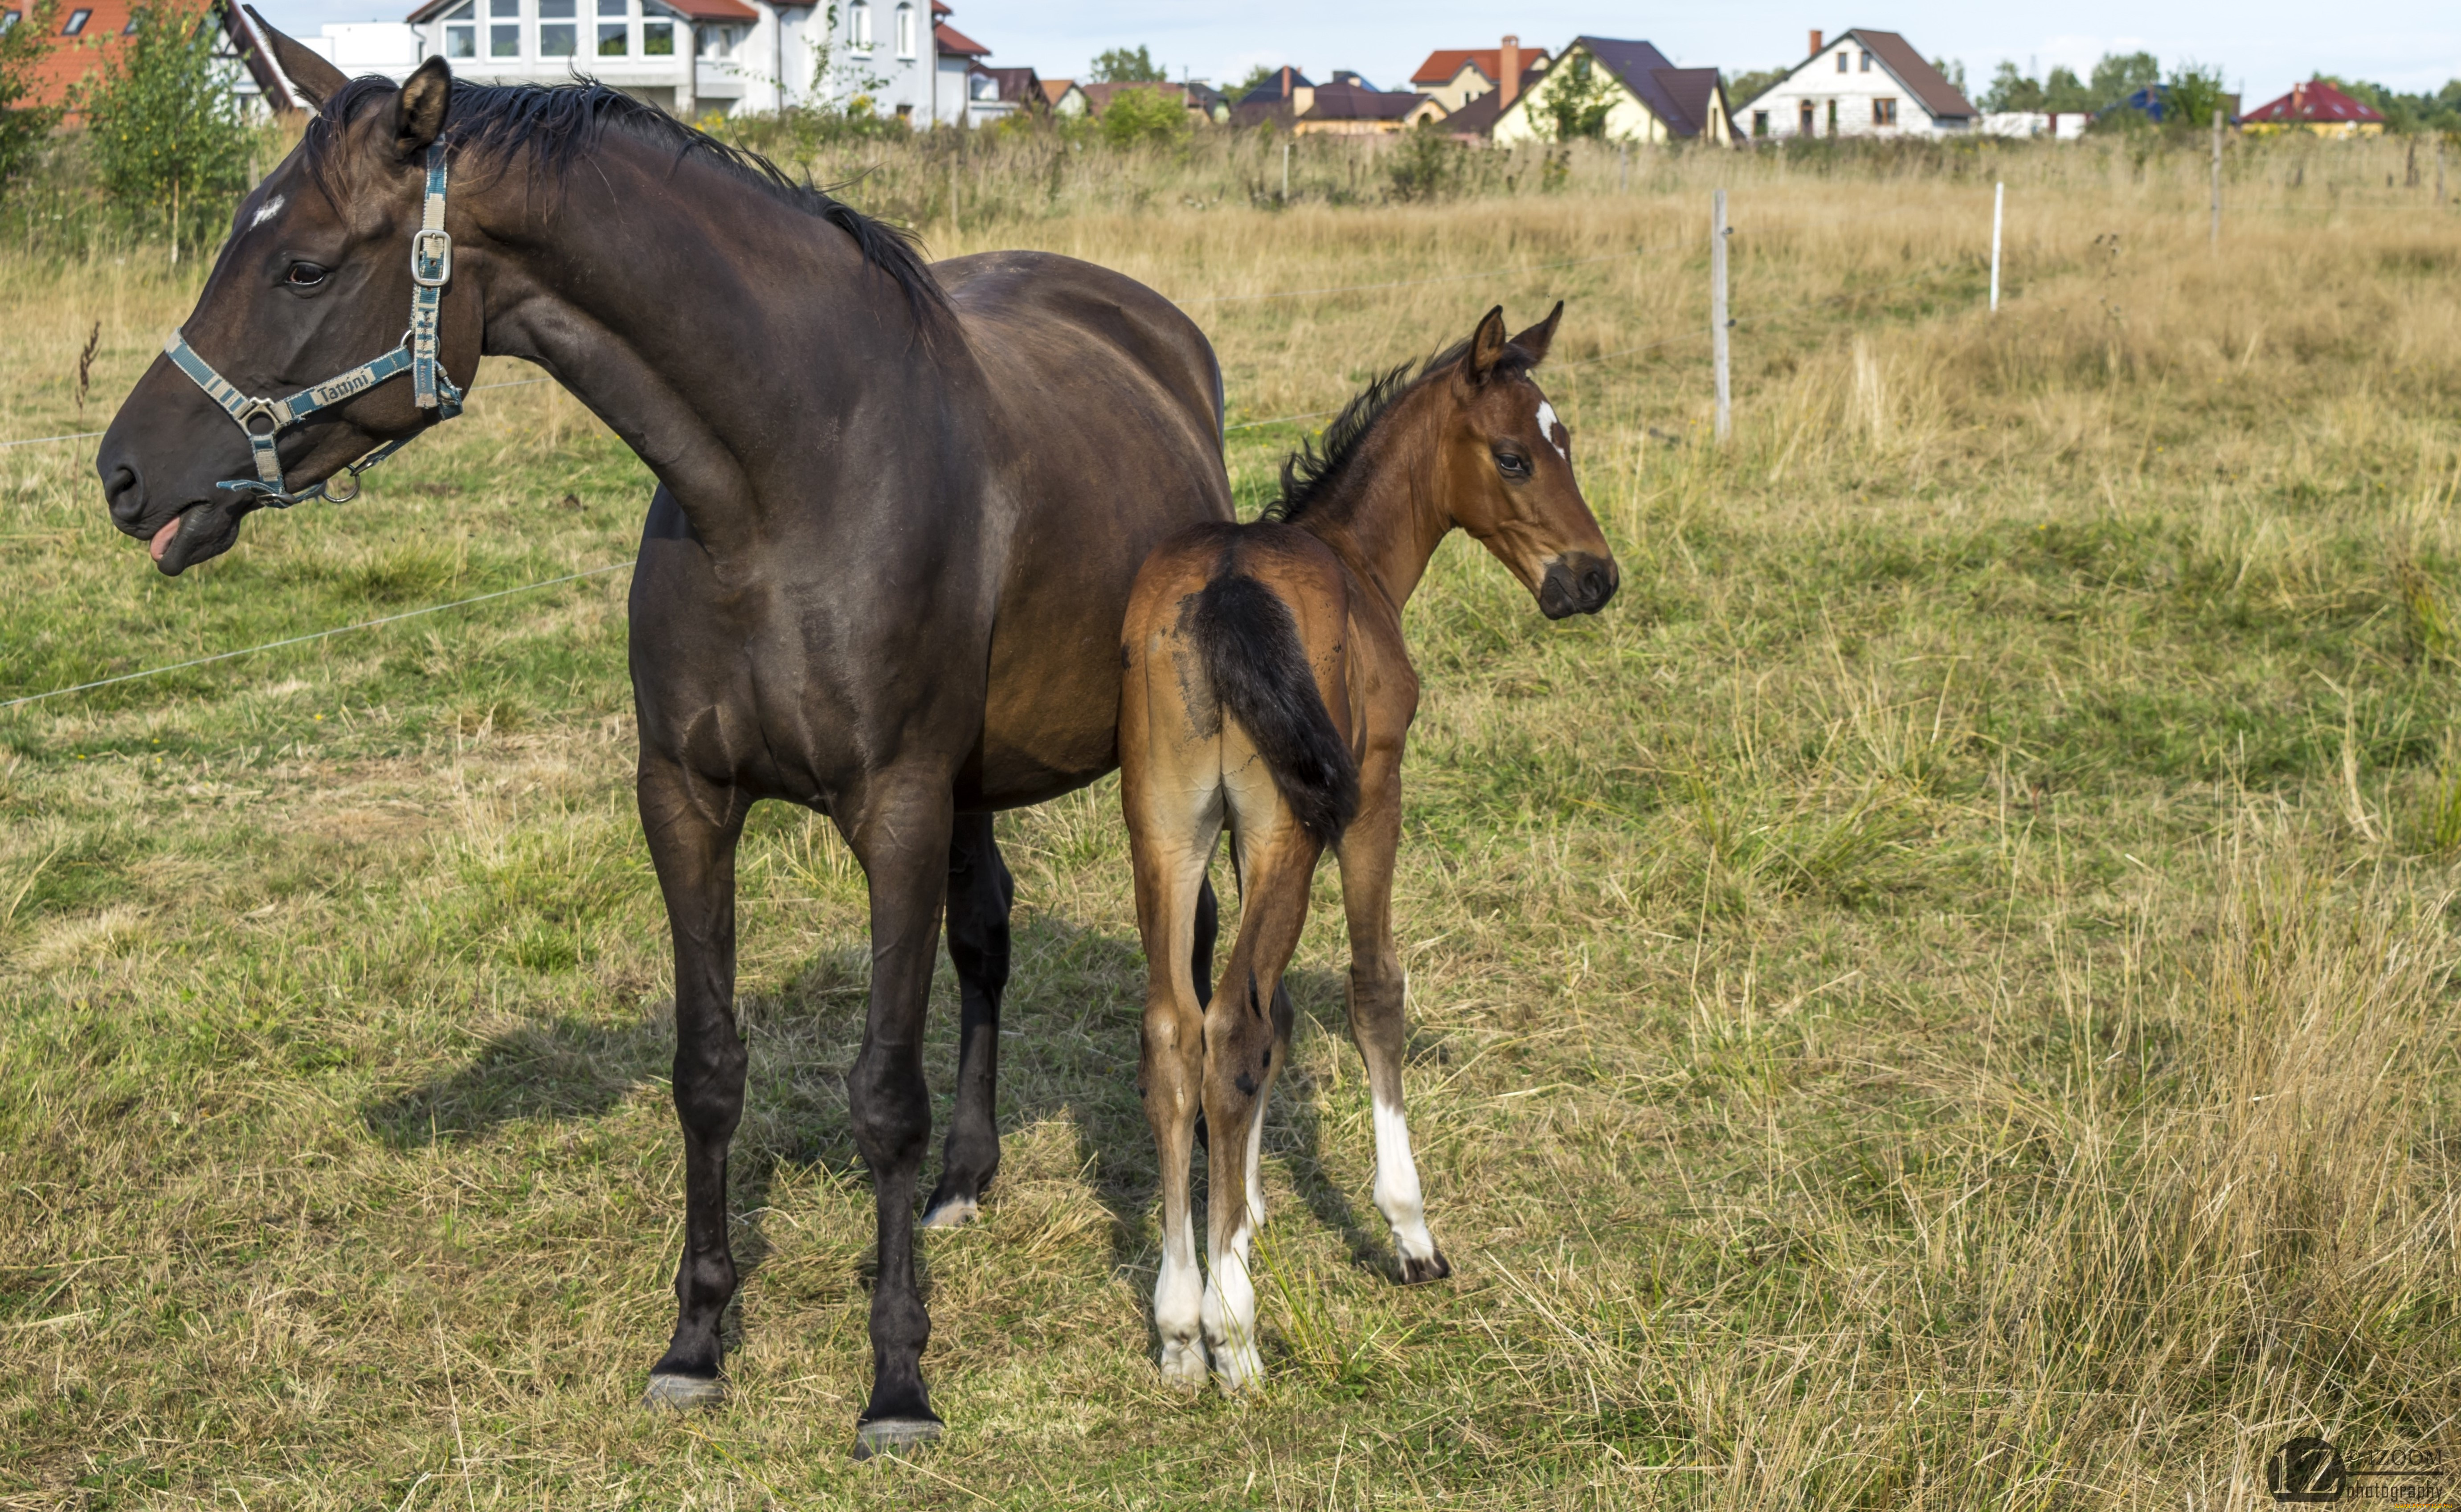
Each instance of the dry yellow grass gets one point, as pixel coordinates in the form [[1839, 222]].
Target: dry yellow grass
[[1940, 997]]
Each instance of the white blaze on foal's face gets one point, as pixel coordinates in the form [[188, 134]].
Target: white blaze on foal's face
[[1551, 428], [265, 212]]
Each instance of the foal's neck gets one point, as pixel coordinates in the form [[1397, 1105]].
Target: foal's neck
[[1388, 517]]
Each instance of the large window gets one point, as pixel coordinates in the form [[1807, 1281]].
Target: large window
[[504, 28], [906, 31], [718, 41], [615, 37], [658, 39], [859, 25], [557, 34], [461, 30]]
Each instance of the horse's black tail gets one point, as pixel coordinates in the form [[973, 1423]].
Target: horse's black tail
[[1250, 651]]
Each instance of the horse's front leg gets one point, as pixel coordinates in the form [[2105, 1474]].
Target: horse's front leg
[[898, 825], [1379, 991], [692, 829], [981, 895]]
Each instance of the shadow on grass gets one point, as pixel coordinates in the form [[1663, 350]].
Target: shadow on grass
[[1068, 1050]]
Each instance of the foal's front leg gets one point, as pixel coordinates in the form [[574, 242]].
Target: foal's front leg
[[1378, 991]]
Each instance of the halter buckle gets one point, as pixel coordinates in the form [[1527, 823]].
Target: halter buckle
[[422, 258]]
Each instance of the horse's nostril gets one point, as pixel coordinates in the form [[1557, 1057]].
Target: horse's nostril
[[1594, 585], [127, 499]]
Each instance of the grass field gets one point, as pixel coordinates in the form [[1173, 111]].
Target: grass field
[[1940, 996]]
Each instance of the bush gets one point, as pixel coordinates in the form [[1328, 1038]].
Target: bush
[[162, 131], [1575, 104], [1426, 165], [1139, 116], [23, 127]]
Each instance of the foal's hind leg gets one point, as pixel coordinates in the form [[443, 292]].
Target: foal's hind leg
[[980, 894], [692, 829], [1378, 988]]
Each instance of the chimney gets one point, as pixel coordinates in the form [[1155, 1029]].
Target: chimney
[[1816, 44], [1508, 62]]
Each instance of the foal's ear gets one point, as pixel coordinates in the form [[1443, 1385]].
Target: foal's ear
[[1486, 345], [418, 115], [316, 78], [1539, 337]]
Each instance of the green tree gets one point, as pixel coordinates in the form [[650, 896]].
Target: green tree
[[1951, 69], [163, 127], [1745, 88], [2063, 90], [2011, 89], [1120, 66], [23, 127], [1255, 77], [1574, 100], [2120, 74], [1140, 116], [2190, 96]]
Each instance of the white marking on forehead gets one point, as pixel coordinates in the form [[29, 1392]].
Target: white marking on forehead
[[267, 211], [1549, 425]]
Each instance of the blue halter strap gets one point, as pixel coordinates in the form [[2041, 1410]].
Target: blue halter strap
[[431, 269]]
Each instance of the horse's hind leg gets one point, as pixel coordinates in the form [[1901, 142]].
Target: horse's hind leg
[[692, 829], [1378, 989], [980, 894]]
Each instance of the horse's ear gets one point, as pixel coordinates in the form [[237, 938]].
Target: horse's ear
[[418, 115], [1539, 337], [318, 79], [1486, 345]]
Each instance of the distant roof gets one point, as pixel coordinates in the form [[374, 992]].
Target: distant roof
[[1019, 84], [1444, 64], [1479, 116], [955, 43], [1099, 97], [1936, 94], [1277, 87], [1056, 90], [1693, 92], [75, 54], [733, 12], [1351, 102], [2313, 101]]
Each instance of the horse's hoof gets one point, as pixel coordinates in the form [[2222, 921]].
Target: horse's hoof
[[1241, 1368], [1433, 1267], [684, 1393], [1182, 1364], [954, 1213], [884, 1434]]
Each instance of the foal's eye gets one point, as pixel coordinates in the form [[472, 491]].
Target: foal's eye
[[305, 275], [1511, 464]]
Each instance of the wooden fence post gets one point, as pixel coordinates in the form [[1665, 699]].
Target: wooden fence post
[[2215, 238], [1999, 200], [1718, 321]]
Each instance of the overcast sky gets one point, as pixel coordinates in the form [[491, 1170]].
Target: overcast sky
[[2262, 48]]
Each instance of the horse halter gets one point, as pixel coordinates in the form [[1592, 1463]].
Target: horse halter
[[431, 269]]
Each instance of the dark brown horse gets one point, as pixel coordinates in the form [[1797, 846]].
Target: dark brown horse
[[1269, 687], [898, 512]]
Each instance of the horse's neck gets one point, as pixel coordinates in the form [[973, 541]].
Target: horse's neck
[[1388, 521], [712, 380]]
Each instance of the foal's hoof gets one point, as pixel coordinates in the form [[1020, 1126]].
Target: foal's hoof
[[1184, 1364], [884, 1435], [1433, 1267], [956, 1212], [684, 1393]]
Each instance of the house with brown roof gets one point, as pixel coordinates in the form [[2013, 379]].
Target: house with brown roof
[[1865, 83], [1456, 76], [1651, 100], [2318, 108], [1349, 107], [1063, 96], [1202, 101]]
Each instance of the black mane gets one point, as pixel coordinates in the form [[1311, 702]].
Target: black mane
[[558, 125], [1310, 477]]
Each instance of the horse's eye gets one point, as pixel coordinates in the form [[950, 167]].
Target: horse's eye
[[1511, 464], [305, 275]]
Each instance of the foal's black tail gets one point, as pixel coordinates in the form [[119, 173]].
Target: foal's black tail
[[1251, 654]]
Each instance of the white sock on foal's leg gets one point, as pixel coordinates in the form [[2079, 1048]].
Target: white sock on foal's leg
[[1229, 1294], [1398, 1197], [1179, 1298]]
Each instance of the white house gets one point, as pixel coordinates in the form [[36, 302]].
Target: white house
[[1865, 83], [701, 57]]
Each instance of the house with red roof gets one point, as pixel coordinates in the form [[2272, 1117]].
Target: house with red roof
[[1456, 76], [84, 33], [2316, 108], [1651, 100]]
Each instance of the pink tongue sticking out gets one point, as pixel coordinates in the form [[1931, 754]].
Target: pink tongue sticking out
[[162, 538]]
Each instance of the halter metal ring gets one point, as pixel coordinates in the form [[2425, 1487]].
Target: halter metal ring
[[260, 409], [431, 248]]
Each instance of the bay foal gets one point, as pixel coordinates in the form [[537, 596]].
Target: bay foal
[[1267, 687]]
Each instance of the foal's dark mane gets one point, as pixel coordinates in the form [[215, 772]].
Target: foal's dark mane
[[1313, 477], [558, 125]]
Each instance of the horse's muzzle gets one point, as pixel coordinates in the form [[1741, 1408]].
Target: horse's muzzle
[[1576, 583]]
